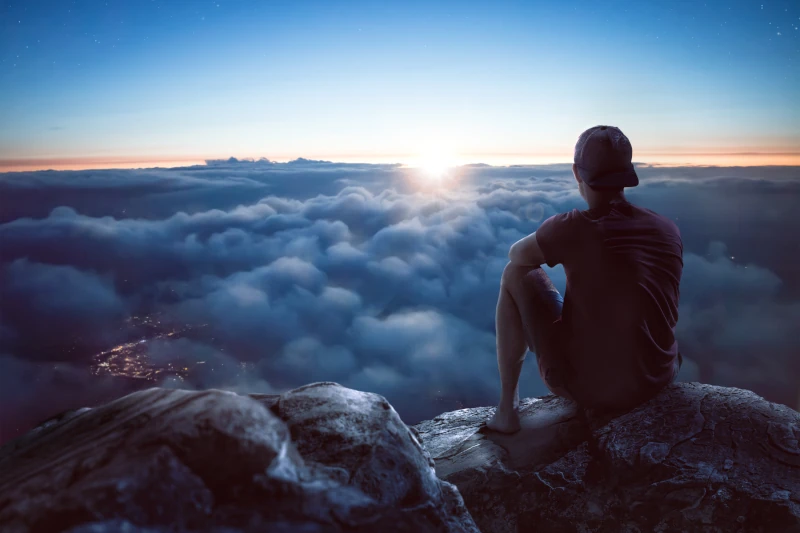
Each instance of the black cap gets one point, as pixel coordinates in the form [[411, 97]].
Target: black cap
[[603, 156]]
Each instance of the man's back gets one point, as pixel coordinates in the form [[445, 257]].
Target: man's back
[[623, 265]]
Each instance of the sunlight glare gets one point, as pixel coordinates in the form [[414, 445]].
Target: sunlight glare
[[435, 168]]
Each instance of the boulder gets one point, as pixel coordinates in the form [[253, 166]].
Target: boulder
[[321, 458], [695, 458]]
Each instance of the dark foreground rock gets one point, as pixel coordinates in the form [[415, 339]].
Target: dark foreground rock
[[321, 458], [695, 458]]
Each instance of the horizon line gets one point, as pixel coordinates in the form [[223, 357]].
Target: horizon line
[[657, 158]]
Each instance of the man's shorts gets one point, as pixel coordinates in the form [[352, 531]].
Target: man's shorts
[[547, 339]]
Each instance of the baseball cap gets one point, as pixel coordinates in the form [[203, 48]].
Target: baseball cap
[[603, 155]]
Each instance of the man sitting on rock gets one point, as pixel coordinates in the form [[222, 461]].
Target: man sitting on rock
[[609, 344]]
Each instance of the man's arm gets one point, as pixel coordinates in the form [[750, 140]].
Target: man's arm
[[526, 252]]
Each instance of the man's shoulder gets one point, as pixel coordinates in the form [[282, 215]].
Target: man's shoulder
[[567, 216], [662, 220], [556, 219], [567, 222]]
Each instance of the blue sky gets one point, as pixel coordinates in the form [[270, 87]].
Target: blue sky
[[87, 83]]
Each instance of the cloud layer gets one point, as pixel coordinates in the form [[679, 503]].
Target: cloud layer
[[361, 274]]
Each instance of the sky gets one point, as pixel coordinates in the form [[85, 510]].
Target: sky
[[96, 84]]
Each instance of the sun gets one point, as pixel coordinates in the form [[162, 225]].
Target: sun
[[435, 168]]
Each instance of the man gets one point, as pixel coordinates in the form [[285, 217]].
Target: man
[[609, 344]]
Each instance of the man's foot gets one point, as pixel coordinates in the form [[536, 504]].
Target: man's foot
[[504, 421]]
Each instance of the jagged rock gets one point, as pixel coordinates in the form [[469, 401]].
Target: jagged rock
[[321, 458], [695, 458]]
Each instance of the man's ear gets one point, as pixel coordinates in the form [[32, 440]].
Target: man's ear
[[575, 173]]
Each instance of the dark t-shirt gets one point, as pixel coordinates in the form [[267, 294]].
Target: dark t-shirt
[[623, 265]]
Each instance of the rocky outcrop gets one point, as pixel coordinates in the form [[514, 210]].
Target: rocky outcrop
[[321, 458], [324, 458], [695, 458]]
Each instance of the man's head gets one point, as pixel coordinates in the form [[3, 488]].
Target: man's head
[[602, 162]]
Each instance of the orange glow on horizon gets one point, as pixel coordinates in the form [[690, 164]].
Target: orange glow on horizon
[[697, 158]]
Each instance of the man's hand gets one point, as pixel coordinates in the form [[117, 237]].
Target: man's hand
[[526, 252]]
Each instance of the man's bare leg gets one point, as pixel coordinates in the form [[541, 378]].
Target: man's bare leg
[[511, 350], [525, 299]]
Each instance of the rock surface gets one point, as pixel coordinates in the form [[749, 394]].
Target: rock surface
[[695, 458], [320, 458]]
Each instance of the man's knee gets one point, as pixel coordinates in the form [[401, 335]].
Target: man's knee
[[514, 274], [527, 277]]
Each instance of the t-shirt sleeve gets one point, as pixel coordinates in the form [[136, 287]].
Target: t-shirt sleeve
[[557, 237]]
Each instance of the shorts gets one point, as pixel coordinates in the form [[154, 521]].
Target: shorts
[[545, 334]]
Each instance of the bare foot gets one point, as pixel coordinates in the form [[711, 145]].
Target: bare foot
[[504, 421]]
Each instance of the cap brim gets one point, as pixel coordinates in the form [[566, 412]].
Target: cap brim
[[612, 180]]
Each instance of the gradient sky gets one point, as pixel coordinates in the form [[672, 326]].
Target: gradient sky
[[127, 83]]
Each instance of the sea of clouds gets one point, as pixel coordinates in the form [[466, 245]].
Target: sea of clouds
[[367, 275]]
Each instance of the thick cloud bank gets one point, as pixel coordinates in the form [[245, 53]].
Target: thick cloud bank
[[258, 277]]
